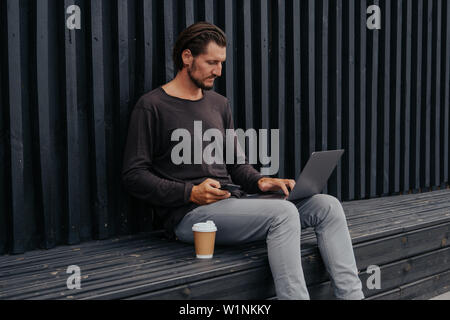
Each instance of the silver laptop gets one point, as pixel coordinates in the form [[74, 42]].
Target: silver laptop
[[312, 179]]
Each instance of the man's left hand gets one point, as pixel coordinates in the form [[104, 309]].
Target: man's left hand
[[274, 184]]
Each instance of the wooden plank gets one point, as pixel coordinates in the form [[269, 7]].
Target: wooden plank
[[407, 82], [426, 112], [360, 215], [209, 14], [254, 11], [25, 280], [399, 241], [149, 44], [398, 224], [402, 201], [385, 231], [127, 277], [397, 274], [4, 138], [436, 105], [373, 103], [362, 74], [86, 254], [231, 288], [101, 93], [311, 77], [410, 270], [88, 246], [169, 38], [324, 105], [247, 64], [77, 175], [158, 254], [105, 271], [279, 47], [418, 18], [297, 105], [402, 245], [127, 98], [403, 216], [309, 265], [22, 199], [447, 97], [209, 6], [356, 214], [264, 63], [48, 115], [386, 98], [413, 269], [338, 170], [350, 158], [230, 65], [313, 262], [189, 10], [399, 153], [415, 218], [422, 289]]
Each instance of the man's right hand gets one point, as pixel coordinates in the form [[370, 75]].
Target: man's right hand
[[208, 192]]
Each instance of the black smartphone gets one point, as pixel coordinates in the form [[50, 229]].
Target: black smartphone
[[229, 187]]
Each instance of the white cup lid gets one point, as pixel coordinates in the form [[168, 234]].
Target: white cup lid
[[207, 226]]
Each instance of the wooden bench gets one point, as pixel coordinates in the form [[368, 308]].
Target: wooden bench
[[407, 236]]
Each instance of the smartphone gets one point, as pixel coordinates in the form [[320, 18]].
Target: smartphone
[[229, 187]]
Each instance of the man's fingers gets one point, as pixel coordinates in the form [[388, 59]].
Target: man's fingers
[[217, 192], [213, 189], [212, 182], [291, 183], [283, 187]]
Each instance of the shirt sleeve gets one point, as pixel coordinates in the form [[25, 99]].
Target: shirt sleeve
[[137, 176], [242, 174]]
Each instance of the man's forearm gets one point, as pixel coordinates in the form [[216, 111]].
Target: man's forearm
[[146, 186]]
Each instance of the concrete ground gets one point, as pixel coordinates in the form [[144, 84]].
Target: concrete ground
[[445, 296]]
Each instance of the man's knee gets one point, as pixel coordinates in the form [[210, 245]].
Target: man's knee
[[326, 208], [286, 213]]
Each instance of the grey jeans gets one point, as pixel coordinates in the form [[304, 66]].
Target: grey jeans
[[279, 222]]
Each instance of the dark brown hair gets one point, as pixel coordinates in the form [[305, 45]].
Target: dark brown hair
[[195, 38]]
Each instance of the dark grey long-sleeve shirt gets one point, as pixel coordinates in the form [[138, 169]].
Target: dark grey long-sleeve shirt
[[150, 174]]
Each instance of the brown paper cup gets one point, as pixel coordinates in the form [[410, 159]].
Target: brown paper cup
[[204, 244], [204, 239]]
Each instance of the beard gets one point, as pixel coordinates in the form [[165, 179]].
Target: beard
[[196, 81]]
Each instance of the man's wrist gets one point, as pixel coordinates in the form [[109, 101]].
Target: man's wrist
[[258, 183], [191, 199]]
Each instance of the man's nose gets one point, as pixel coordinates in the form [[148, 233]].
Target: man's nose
[[218, 70]]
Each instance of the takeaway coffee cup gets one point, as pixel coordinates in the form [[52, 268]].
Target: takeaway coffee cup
[[204, 238]]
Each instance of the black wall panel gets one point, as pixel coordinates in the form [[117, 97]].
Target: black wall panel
[[311, 69]]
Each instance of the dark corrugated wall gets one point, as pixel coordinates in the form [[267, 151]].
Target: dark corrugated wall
[[310, 68]]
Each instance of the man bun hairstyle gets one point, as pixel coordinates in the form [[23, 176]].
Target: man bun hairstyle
[[195, 38]]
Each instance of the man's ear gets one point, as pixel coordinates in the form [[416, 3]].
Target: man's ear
[[187, 57]]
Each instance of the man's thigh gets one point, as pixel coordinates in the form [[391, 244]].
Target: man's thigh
[[237, 220]]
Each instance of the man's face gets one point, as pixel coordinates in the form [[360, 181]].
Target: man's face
[[206, 67]]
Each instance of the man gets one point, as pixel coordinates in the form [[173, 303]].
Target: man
[[184, 194]]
